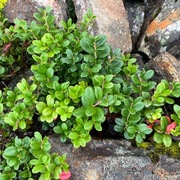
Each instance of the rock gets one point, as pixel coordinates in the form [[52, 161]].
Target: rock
[[166, 67], [163, 33], [26, 8], [114, 160], [111, 20], [135, 11]]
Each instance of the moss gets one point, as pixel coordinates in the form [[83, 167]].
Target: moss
[[172, 151], [156, 150], [145, 145], [154, 157]]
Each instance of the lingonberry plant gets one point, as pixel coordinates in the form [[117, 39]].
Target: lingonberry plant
[[77, 84]]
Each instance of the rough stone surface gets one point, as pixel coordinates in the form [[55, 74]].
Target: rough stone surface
[[166, 66], [163, 33], [135, 11], [114, 160], [111, 20], [26, 8]]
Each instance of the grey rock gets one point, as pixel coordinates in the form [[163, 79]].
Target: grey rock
[[26, 8], [163, 33], [114, 160], [135, 11], [111, 20]]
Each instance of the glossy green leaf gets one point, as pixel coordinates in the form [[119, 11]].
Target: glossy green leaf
[[138, 106], [177, 109], [40, 106], [10, 151], [38, 168], [169, 100], [167, 140], [148, 75], [164, 122], [38, 136], [80, 112], [88, 125], [139, 138], [90, 110], [88, 98], [98, 126], [135, 79], [2, 70], [143, 128], [134, 118], [131, 129], [98, 93], [47, 111], [158, 138], [22, 124], [87, 45], [99, 115]]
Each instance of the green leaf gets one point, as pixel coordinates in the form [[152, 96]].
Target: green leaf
[[169, 100], [90, 111], [50, 101], [88, 125], [66, 43], [38, 17], [50, 72], [135, 79], [104, 52], [40, 106], [80, 112], [96, 68], [119, 128], [64, 127], [87, 45], [98, 93], [22, 124], [2, 70], [139, 138], [164, 122], [101, 40], [138, 106], [82, 142], [143, 128], [98, 80], [47, 111], [88, 98], [38, 168], [177, 109], [38, 136], [134, 118], [148, 75], [131, 129], [108, 85], [10, 151], [23, 85], [158, 138], [167, 140], [98, 126], [99, 115]]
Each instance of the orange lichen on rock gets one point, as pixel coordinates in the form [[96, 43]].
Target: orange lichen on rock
[[156, 25]]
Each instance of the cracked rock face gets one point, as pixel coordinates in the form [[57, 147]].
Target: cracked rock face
[[111, 20], [166, 67], [163, 33], [114, 160], [26, 8]]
